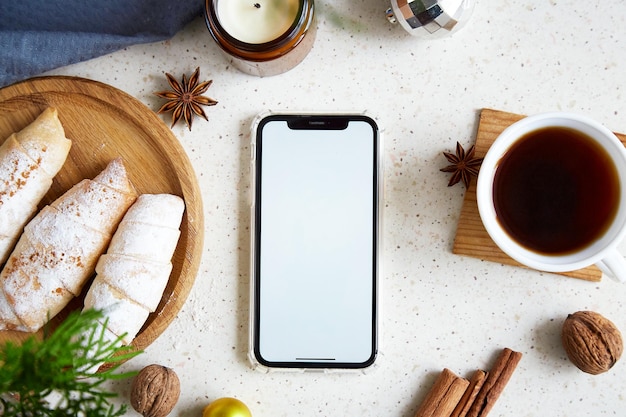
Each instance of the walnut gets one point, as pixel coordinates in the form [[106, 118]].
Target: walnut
[[155, 391], [591, 341]]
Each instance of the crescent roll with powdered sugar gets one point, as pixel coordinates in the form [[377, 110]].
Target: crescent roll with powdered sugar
[[132, 275], [59, 248], [29, 160]]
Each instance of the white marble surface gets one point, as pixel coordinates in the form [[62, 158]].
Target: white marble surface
[[438, 309]]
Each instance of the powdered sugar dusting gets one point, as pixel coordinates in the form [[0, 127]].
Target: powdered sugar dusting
[[54, 248], [125, 317], [140, 280], [8, 319], [28, 162], [164, 210], [151, 243], [137, 265], [100, 203], [44, 142], [58, 250], [116, 177], [33, 299]]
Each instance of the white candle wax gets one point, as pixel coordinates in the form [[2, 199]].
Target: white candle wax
[[257, 21]]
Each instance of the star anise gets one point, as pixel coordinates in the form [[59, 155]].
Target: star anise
[[464, 165], [185, 99]]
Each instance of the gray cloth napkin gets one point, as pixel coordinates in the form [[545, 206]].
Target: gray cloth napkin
[[39, 35]]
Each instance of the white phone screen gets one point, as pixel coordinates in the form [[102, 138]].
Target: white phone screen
[[316, 244]]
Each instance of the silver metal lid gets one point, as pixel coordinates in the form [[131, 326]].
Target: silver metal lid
[[430, 16]]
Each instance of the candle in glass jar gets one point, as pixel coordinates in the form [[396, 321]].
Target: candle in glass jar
[[262, 37], [257, 21]]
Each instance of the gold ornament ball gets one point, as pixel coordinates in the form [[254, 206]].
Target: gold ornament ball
[[226, 407]]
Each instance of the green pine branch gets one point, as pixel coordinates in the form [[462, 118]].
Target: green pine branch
[[55, 376]]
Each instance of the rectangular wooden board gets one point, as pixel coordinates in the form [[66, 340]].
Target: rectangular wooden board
[[471, 237]]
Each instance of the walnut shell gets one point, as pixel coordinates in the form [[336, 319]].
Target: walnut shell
[[591, 341], [155, 391]]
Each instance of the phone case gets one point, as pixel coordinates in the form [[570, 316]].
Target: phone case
[[255, 364]]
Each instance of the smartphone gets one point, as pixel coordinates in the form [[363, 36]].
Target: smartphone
[[315, 240]]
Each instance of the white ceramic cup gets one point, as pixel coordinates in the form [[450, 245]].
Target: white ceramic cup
[[602, 251]]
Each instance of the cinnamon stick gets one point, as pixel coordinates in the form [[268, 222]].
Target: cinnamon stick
[[497, 379], [475, 384], [443, 396]]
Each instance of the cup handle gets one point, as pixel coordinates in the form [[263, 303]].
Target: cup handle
[[614, 266]]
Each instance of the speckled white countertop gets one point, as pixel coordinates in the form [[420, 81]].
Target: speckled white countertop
[[438, 309]]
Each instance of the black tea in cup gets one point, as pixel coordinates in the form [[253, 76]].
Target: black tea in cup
[[556, 190]]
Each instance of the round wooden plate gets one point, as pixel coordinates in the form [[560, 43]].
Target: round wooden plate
[[104, 123]]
